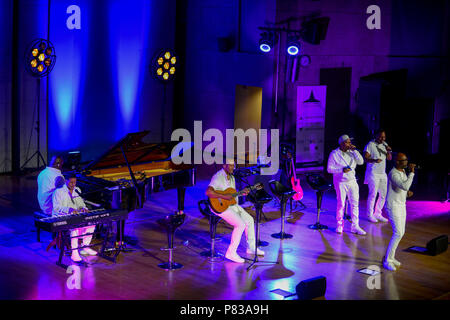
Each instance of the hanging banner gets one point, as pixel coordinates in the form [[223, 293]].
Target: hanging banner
[[310, 127]]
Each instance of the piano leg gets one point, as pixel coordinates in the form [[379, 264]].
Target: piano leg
[[181, 191]]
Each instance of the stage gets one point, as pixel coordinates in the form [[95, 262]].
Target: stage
[[29, 272]]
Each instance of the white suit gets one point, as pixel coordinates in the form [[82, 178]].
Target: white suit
[[345, 182], [235, 214], [48, 181], [376, 178], [63, 201], [398, 187]]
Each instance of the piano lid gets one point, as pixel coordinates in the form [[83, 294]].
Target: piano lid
[[136, 150]]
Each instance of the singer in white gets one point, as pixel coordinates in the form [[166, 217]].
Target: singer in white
[[67, 200], [375, 153], [398, 191], [342, 163]]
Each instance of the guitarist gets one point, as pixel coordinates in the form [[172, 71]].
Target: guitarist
[[235, 215]]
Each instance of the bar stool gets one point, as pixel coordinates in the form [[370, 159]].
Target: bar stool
[[171, 222], [212, 255], [320, 185], [283, 194]]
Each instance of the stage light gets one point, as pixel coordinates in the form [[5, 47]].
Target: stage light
[[40, 58], [293, 45], [164, 65], [267, 41]]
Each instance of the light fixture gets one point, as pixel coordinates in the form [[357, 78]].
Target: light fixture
[[293, 45], [267, 41], [164, 65], [40, 58]]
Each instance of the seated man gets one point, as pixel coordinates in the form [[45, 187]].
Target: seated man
[[67, 200], [235, 214]]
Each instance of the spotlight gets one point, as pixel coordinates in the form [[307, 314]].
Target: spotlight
[[35, 52], [293, 45], [267, 41], [47, 62], [41, 57], [33, 63], [164, 65], [48, 51], [40, 68]]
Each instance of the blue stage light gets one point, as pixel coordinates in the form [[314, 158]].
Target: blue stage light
[[293, 45], [267, 41]]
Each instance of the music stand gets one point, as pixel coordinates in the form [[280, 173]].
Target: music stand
[[258, 198]]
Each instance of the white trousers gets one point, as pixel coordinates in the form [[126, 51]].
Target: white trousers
[[348, 189], [80, 232], [397, 217], [377, 185], [241, 221]]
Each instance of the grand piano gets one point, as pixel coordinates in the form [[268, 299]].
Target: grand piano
[[130, 171]]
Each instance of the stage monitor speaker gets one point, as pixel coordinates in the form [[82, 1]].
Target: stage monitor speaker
[[311, 288], [437, 245]]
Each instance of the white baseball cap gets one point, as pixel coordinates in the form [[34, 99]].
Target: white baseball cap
[[343, 138]]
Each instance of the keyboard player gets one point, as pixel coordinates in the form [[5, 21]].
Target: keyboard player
[[67, 200]]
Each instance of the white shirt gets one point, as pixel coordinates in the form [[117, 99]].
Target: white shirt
[[398, 186], [220, 181], [63, 200], [338, 160], [47, 181], [373, 148]]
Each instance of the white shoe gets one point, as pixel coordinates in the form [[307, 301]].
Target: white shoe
[[88, 252], [339, 229], [372, 219], [234, 257], [76, 256], [396, 262], [389, 266], [252, 251], [381, 218], [358, 230]]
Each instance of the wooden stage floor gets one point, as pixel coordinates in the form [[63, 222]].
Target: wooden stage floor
[[27, 271]]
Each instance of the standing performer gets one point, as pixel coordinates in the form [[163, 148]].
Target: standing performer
[[67, 200], [342, 163], [398, 191], [48, 181], [235, 214], [375, 153]]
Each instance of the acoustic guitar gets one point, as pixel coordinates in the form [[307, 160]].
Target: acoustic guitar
[[296, 184], [219, 205]]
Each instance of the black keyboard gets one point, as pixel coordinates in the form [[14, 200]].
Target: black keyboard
[[72, 221]]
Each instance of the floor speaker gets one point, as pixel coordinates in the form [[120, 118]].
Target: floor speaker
[[311, 288], [437, 245]]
